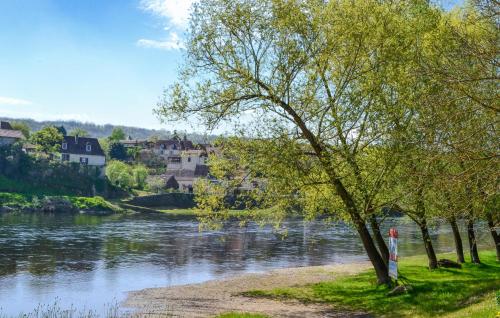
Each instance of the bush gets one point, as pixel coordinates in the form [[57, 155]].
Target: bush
[[120, 174], [155, 184], [117, 151], [140, 173], [11, 199], [94, 203]]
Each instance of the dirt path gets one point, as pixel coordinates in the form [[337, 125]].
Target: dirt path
[[222, 296]]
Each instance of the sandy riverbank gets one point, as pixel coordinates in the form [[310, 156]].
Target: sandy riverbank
[[220, 296]]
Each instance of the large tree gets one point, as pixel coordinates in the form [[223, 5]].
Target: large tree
[[323, 84]]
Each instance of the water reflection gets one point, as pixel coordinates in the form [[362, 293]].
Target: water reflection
[[88, 261]]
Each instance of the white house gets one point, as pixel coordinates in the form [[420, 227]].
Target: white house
[[86, 151]]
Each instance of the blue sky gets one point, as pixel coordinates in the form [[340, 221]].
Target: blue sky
[[90, 60], [102, 61]]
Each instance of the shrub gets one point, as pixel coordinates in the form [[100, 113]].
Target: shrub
[[155, 184], [140, 173], [120, 174], [94, 203], [11, 199]]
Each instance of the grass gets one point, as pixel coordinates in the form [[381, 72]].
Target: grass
[[241, 315], [466, 292], [20, 200], [486, 307], [195, 212], [54, 310], [171, 211]]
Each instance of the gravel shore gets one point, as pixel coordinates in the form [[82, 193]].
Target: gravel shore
[[221, 296]]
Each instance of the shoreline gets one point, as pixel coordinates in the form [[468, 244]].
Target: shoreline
[[224, 295]]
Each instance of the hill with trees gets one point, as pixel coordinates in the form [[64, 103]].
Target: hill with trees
[[102, 131]]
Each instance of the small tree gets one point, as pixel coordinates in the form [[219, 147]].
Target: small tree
[[155, 184], [117, 134], [140, 173], [62, 130], [117, 151], [47, 140], [23, 127], [120, 174], [79, 132]]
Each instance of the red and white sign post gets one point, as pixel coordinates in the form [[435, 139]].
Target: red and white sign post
[[393, 253]]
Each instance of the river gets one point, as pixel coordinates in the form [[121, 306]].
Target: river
[[91, 262]]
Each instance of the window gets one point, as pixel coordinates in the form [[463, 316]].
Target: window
[[88, 147], [65, 156], [84, 160], [64, 146]]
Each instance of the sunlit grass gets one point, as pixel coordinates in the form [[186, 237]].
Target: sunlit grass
[[435, 293]]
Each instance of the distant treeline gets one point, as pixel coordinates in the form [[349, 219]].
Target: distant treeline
[[102, 131]]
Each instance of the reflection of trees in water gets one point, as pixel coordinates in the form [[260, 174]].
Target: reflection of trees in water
[[44, 244]]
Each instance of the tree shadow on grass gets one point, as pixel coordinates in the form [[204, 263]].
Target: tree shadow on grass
[[434, 292]]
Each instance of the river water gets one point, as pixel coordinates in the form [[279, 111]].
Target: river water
[[91, 262]]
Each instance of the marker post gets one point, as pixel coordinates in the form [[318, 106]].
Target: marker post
[[393, 254]]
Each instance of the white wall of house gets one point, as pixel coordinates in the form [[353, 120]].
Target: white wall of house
[[191, 158], [92, 159]]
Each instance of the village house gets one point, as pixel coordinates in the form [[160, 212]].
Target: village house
[[170, 150], [8, 135], [184, 162], [83, 150]]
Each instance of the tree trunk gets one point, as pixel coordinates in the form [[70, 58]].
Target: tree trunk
[[494, 234], [458, 241], [431, 255], [382, 246], [472, 242], [377, 261]]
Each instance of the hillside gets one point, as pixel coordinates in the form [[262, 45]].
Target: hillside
[[101, 131]]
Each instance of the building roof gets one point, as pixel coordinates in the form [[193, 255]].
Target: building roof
[[5, 125], [78, 146], [170, 181], [135, 141], [181, 144], [9, 133]]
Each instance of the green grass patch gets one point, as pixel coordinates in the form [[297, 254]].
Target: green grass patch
[[241, 315], [435, 293], [485, 307], [14, 200], [174, 211], [92, 203]]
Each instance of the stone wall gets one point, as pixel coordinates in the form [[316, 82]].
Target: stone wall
[[173, 200]]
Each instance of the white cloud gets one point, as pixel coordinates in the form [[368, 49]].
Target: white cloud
[[176, 16], [13, 101], [44, 116], [176, 11], [174, 42]]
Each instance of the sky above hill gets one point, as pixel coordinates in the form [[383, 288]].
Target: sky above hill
[[91, 60]]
